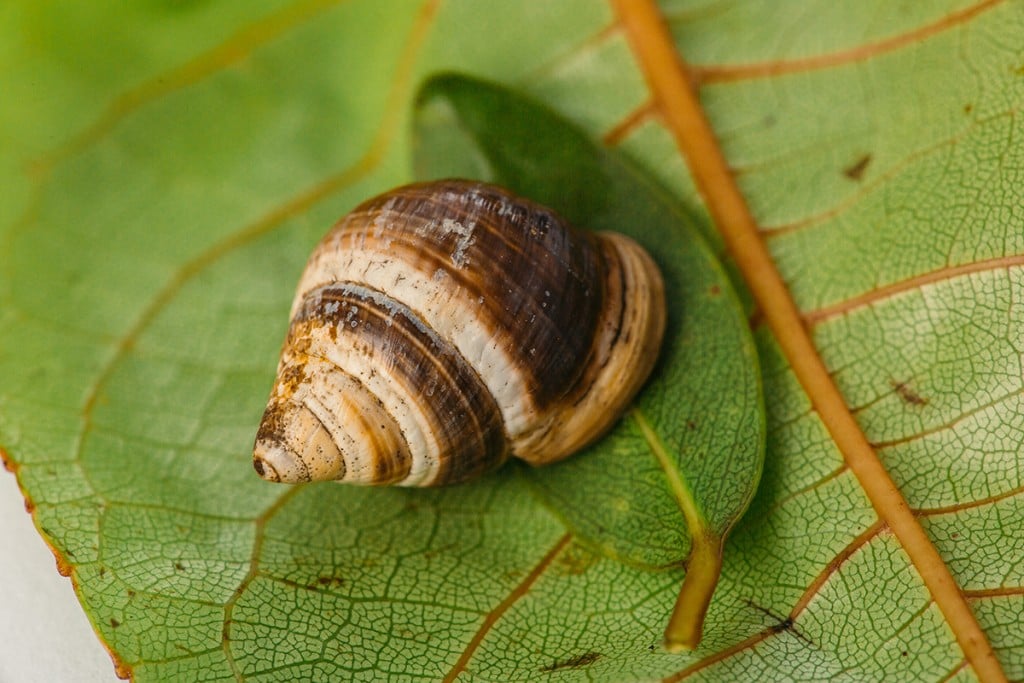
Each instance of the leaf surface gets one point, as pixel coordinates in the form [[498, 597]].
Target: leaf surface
[[163, 187]]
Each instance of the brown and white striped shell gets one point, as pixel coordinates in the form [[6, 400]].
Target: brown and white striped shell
[[441, 327]]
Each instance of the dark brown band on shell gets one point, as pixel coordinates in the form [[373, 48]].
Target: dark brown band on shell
[[538, 280]]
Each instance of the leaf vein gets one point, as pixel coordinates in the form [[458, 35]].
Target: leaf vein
[[236, 48], [495, 614], [706, 74], [889, 291]]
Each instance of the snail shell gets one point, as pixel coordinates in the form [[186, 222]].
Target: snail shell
[[441, 327]]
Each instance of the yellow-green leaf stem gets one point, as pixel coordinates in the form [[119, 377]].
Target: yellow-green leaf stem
[[704, 566], [705, 561]]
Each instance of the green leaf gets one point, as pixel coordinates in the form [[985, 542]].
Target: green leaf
[[161, 186], [694, 441]]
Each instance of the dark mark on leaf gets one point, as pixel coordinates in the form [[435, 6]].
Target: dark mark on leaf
[[856, 170], [573, 662], [330, 581], [179, 566], [907, 394], [114, 623], [783, 625]]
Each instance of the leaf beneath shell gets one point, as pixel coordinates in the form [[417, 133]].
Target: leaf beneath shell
[[668, 483]]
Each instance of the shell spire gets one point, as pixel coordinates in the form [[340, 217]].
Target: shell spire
[[442, 327]]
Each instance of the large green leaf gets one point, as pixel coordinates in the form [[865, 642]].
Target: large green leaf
[[167, 166]]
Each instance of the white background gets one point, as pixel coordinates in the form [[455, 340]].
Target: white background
[[44, 634]]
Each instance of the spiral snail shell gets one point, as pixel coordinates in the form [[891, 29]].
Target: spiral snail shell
[[441, 327]]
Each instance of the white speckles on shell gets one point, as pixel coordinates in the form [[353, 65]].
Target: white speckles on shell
[[384, 218], [465, 241]]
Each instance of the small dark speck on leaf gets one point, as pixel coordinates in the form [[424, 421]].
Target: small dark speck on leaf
[[904, 653], [326, 581], [115, 623], [573, 662], [907, 394], [783, 625], [179, 566], [715, 290], [131, 594], [691, 424], [856, 170], [968, 108]]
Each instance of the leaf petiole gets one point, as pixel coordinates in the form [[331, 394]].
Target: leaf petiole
[[686, 624]]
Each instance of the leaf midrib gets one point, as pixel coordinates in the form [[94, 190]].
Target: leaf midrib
[[671, 83]]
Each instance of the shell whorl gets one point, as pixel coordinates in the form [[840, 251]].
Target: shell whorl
[[441, 327]]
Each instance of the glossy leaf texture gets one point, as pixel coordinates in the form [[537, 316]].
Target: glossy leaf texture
[[162, 187]]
